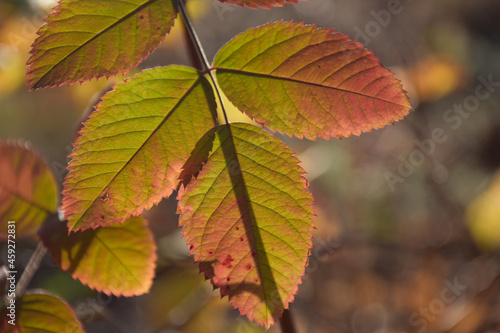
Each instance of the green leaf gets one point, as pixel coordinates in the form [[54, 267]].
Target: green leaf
[[259, 3], [248, 219], [28, 190], [309, 82], [118, 259], [132, 149], [85, 39], [38, 312]]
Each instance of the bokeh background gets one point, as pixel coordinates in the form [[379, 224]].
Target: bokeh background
[[408, 225]]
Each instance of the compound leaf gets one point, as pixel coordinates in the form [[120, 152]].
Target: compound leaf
[[309, 82], [85, 39], [38, 311], [117, 259], [259, 3], [132, 149], [248, 219], [28, 189]]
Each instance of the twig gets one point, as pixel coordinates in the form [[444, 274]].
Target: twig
[[30, 269], [286, 322], [201, 55]]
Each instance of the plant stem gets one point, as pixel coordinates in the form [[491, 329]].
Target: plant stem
[[30, 269], [201, 55], [286, 322]]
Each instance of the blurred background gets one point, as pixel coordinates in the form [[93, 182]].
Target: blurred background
[[408, 225]]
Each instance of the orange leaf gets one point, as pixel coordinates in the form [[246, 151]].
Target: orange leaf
[[309, 82], [118, 259], [85, 39], [132, 149], [28, 190], [248, 219], [37, 312]]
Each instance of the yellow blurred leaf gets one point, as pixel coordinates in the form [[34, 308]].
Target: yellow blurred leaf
[[483, 217], [196, 9], [435, 77], [16, 35], [12, 70]]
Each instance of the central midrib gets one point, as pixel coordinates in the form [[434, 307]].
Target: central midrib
[[276, 77]]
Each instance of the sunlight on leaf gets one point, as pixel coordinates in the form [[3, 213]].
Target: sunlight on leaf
[[85, 39], [118, 259], [38, 312], [248, 219], [132, 149], [28, 189], [308, 82]]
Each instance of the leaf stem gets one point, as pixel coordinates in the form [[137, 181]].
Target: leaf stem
[[31, 268], [286, 322], [201, 55]]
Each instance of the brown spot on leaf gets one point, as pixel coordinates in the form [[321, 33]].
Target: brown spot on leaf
[[227, 262], [228, 279], [241, 239], [248, 266]]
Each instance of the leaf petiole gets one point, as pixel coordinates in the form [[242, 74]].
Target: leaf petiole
[[201, 54]]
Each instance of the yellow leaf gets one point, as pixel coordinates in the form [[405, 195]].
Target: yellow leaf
[[483, 217]]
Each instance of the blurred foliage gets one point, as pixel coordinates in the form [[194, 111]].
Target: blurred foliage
[[421, 255], [483, 217]]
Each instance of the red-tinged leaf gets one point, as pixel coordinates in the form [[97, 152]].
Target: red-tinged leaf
[[248, 219], [259, 3], [38, 312], [132, 149], [309, 82], [85, 39], [118, 259], [28, 190]]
